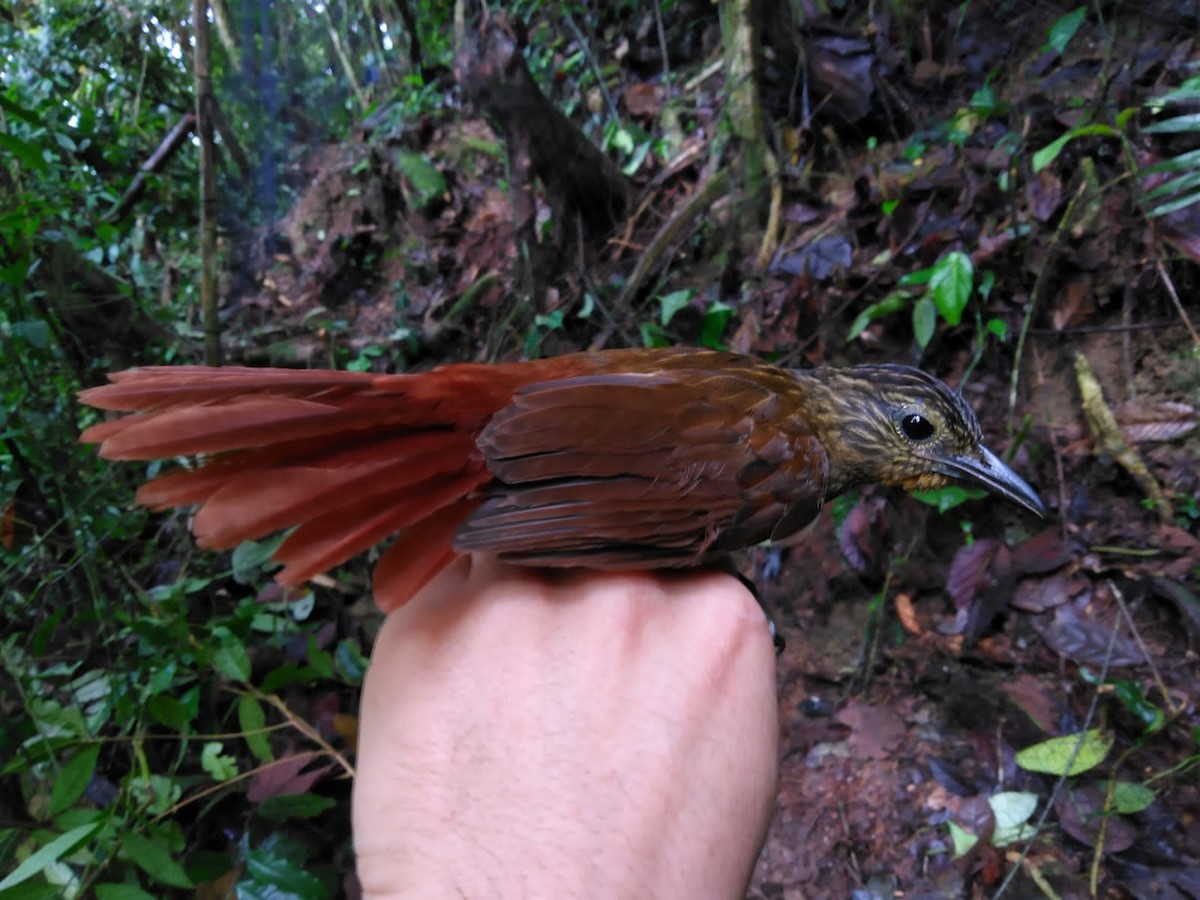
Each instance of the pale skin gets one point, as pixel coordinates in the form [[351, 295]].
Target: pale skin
[[531, 734]]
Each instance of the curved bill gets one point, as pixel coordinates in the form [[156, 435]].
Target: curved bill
[[987, 470]]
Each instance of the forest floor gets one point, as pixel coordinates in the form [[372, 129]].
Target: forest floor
[[925, 649]]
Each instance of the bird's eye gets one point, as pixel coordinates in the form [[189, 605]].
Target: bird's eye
[[916, 427]]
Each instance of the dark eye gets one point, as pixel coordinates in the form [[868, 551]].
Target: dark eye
[[916, 428]]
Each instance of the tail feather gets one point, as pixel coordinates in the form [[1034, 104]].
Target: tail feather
[[417, 555], [252, 504], [325, 541], [346, 459]]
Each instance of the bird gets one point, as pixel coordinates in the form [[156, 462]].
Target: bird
[[612, 459]]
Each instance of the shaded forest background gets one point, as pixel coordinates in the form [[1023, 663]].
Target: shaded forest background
[[1007, 194]]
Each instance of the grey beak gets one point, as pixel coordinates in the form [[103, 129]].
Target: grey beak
[[987, 470]]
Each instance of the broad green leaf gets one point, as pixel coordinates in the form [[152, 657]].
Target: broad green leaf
[[712, 329], [951, 284], [1051, 757], [249, 558], [253, 719], [152, 857], [231, 660], [1011, 810], [1130, 797], [269, 874], [425, 179], [29, 155], [961, 839], [924, 319], [74, 778], [168, 711], [48, 855], [1064, 29], [673, 303]]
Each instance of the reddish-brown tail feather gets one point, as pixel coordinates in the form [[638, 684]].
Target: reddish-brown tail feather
[[346, 459]]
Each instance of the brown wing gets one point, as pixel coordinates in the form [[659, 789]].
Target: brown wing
[[665, 468]]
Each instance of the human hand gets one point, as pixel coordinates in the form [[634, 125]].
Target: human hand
[[557, 734]]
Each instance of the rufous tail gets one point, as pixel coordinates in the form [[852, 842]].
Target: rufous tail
[[346, 459]]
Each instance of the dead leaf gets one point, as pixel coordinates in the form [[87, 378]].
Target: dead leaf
[[968, 569], [1037, 595], [1033, 699], [1144, 422], [907, 614], [1081, 813], [1074, 305], [876, 731], [284, 777], [1044, 552], [1084, 639], [645, 100]]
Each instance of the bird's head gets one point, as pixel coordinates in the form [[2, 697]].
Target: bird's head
[[898, 426]]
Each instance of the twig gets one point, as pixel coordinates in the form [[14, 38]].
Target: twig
[[1170, 286]]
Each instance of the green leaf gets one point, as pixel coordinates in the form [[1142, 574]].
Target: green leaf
[[951, 284], [673, 303], [74, 779], [253, 719], [1050, 152], [221, 766], [892, 303], [121, 892], [168, 711], [351, 663], [152, 857], [425, 179], [1064, 29], [654, 336], [1051, 757], [232, 660], [712, 329], [917, 278], [1178, 125], [1011, 810], [276, 875], [288, 673], [294, 806], [29, 155], [950, 496], [251, 557], [1130, 797], [961, 839], [48, 855], [924, 318]]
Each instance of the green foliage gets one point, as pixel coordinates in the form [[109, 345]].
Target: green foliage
[[139, 687], [1070, 754], [1063, 29], [942, 291]]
